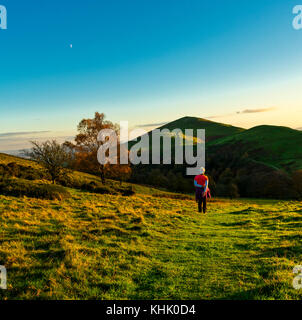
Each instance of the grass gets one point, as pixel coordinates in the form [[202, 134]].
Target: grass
[[148, 246], [152, 245], [6, 158], [273, 145]]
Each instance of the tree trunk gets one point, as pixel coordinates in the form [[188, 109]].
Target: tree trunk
[[102, 175]]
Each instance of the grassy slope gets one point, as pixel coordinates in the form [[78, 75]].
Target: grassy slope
[[148, 246], [6, 158], [278, 146], [214, 130], [273, 145]]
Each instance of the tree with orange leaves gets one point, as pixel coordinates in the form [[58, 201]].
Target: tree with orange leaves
[[87, 145]]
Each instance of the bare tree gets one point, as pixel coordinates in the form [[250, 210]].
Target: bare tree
[[53, 156]]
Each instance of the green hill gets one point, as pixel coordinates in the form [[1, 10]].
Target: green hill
[[248, 162], [276, 146], [214, 130]]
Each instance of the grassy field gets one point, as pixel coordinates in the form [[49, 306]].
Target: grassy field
[[149, 246]]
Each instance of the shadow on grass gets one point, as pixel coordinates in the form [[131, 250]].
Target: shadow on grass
[[150, 284], [243, 223], [271, 291], [288, 252]]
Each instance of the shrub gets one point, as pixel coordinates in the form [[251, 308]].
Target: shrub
[[13, 169], [104, 190], [20, 188], [88, 186], [4, 173], [126, 192], [297, 181], [67, 181], [97, 188]]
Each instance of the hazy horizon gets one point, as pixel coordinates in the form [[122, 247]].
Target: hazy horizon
[[22, 139]]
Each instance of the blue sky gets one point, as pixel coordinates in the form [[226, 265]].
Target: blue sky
[[146, 61]]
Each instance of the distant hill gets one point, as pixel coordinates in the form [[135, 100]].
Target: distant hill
[[276, 146], [17, 153], [214, 130], [249, 163]]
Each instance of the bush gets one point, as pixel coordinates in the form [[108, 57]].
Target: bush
[[126, 192], [92, 186], [4, 174], [97, 188], [69, 181], [20, 188], [18, 171], [297, 181], [88, 186], [104, 190]]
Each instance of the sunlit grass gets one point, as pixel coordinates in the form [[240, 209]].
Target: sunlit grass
[[149, 247]]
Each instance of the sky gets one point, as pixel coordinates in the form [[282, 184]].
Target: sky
[[146, 62]]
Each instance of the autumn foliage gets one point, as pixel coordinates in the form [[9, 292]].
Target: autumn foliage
[[86, 147]]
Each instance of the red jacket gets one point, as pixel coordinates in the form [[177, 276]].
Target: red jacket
[[201, 181]]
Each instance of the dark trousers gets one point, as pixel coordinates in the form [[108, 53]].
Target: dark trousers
[[202, 204]]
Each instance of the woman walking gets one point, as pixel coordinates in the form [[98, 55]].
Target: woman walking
[[201, 183]]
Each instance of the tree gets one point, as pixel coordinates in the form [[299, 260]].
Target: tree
[[297, 181], [227, 185], [233, 191], [53, 156], [87, 145]]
